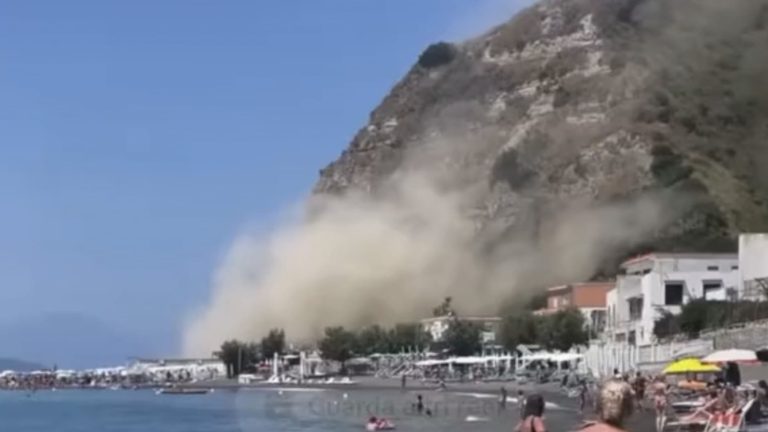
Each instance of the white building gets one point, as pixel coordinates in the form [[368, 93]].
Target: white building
[[660, 282], [753, 263], [200, 369]]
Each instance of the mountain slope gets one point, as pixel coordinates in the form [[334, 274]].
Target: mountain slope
[[18, 365], [588, 101], [69, 340], [540, 153]]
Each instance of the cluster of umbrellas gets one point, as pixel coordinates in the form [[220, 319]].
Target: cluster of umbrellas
[[710, 363]]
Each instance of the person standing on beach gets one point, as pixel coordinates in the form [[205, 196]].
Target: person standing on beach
[[583, 395], [533, 420], [402, 381], [659, 389], [615, 406], [503, 399], [762, 394], [521, 403], [639, 387]]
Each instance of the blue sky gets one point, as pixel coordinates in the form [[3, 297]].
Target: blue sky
[[138, 137]]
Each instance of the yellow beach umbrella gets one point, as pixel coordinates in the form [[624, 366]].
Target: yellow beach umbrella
[[690, 365]]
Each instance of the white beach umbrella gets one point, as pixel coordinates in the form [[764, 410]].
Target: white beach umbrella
[[731, 355]]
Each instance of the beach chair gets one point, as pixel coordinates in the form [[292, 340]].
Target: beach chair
[[731, 420], [699, 419]]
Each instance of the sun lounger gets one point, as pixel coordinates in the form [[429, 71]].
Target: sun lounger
[[731, 420], [700, 418]]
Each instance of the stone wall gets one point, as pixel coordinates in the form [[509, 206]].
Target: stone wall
[[751, 336], [600, 359]]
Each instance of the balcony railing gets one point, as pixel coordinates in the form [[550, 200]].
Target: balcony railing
[[620, 326]]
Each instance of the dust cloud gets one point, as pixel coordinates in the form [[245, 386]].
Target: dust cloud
[[359, 260]]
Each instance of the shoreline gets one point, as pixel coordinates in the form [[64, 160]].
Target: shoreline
[[560, 405], [382, 384], [640, 421]]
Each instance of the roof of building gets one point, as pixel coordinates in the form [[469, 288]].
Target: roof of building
[[176, 360], [461, 318], [544, 311], [582, 295], [683, 255], [580, 284]]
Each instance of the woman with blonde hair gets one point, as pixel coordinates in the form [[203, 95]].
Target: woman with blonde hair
[[615, 405]]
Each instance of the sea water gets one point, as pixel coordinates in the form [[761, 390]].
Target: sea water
[[256, 410]]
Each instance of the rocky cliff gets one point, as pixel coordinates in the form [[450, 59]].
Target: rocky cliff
[[586, 101], [540, 153]]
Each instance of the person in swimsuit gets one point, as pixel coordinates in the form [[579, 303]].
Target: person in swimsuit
[[503, 399], [419, 404], [583, 394], [533, 420], [615, 406], [373, 423], [762, 395], [659, 389], [639, 387], [521, 403]]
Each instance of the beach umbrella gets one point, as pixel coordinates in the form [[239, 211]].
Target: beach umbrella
[[689, 365], [762, 354], [731, 356]]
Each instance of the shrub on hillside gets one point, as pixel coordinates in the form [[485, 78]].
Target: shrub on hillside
[[701, 315], [667, 325], [437, 54], [667, 166], [507, 168], [559, 331]]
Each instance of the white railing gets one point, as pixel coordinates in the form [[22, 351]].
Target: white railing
[[601, 359]]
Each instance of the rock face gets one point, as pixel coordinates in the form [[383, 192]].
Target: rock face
[[588, 101]]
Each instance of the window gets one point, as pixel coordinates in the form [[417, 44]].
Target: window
[[631, 339], [635, 308], [734, 267], [673, 293], [713, 268], [597, 319], [710, 287]]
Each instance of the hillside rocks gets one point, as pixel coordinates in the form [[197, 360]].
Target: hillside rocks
[[586, 101]]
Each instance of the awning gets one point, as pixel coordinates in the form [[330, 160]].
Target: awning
[[731, 355]]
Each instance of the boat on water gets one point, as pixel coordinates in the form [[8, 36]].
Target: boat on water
[[183, 391]]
